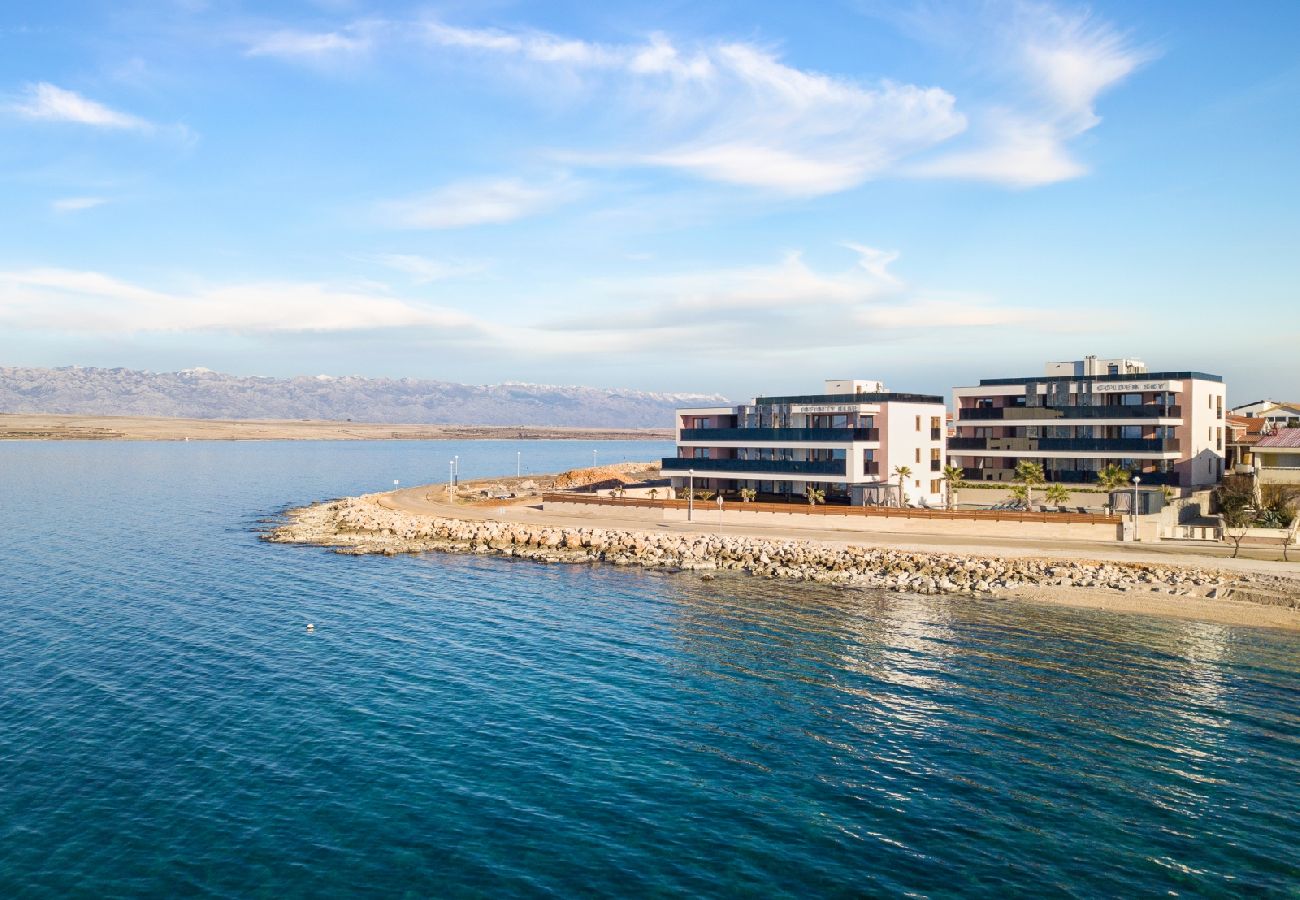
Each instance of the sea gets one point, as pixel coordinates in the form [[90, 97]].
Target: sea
[[458, 726]]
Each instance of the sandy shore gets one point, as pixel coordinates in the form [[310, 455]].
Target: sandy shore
[[1100, 576], [51, 427]]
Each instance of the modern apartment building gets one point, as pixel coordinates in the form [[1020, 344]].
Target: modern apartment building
[[848, 441], [1080, 416]]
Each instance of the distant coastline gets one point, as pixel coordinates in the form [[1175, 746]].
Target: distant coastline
[[56, 427]]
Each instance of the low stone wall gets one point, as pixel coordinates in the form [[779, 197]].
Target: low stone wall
[[359, 525], [736, 514]]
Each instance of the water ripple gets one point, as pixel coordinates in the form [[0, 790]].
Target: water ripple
[[467, 726]]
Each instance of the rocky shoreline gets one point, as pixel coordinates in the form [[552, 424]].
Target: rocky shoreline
[[359, 525]]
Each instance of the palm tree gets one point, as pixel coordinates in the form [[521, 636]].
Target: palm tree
[[1057, 494], [1112, 477], [1030, 474], [814, 495], [903, 473], [954, 478], [748, 494]]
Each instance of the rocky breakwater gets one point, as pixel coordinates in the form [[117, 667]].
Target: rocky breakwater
[[358, 525]]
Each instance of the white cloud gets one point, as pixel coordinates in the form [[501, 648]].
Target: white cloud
[[77, 301], [487, 201], [77, 204], [1059, 65], [46, 102], [768, 310], [732, 112]]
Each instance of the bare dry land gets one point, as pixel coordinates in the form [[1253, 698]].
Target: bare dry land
[[53, 427]]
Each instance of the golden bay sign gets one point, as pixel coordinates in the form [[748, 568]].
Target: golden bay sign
[[1133, 387]]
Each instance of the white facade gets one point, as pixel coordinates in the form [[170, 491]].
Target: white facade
[[849, 441], [1166, 427]]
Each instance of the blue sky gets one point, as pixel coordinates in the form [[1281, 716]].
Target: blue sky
[[722, 197]]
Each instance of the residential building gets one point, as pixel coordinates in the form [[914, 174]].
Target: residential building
[[848, 441], [1278, 415], [1243, 433], [1277, 457], [1082, 415]]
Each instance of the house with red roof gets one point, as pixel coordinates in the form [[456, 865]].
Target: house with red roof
[[1277, 457]]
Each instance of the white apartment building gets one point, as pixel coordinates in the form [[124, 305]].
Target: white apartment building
[[849, 441], [1082, 415]]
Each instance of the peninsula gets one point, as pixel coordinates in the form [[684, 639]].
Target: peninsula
[[53, 427], [1115, 577]]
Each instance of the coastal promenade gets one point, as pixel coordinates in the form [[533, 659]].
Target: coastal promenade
[[423, 507], [431, 500]]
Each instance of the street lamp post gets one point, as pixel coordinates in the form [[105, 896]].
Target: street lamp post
[[519, 463], [451, 481], [456, 468], [1136, 481], [690, 495]]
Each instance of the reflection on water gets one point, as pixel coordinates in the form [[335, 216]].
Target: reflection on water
[[462, 725]]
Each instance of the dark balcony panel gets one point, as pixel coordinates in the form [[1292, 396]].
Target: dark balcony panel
[[936, 434], [872, 467], [935, 465], [793, 435], [1117, 446], [757, 466], [1012, 413]]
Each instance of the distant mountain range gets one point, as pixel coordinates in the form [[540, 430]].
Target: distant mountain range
[[204, 394]]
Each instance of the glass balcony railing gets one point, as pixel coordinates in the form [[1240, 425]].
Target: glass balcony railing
[[1116, 446], [1012, 413], [679, 465], [1073, 476], [793, 435]]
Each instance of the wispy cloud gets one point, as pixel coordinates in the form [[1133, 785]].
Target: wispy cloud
[[773, 309], [733, 112], [487, 201], [356, 39], [423, 270], [755, 312], [46, 102], [76, 204], [92, 302], [1059, 63]]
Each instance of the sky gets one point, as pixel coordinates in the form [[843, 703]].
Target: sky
[[723, 197]]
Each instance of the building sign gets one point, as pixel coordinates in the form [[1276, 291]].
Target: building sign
[[1135, 387], [833, 408]]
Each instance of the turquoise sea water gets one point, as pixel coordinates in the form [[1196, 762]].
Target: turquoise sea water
[[464, 725]]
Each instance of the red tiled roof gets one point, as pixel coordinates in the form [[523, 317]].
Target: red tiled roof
[[1284, 437]]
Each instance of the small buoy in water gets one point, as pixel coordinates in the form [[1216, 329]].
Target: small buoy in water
[[311, 627]]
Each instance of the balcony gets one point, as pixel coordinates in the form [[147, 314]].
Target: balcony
[[783, 435], [1113, 446], [1013, 413], [936, 434], [758, 467]]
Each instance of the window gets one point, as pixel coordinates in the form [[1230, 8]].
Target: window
[[934, 487], [918, 423], [918, 454]]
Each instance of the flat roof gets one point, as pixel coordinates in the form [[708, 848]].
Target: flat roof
[[884, 397], [1141, 376]]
